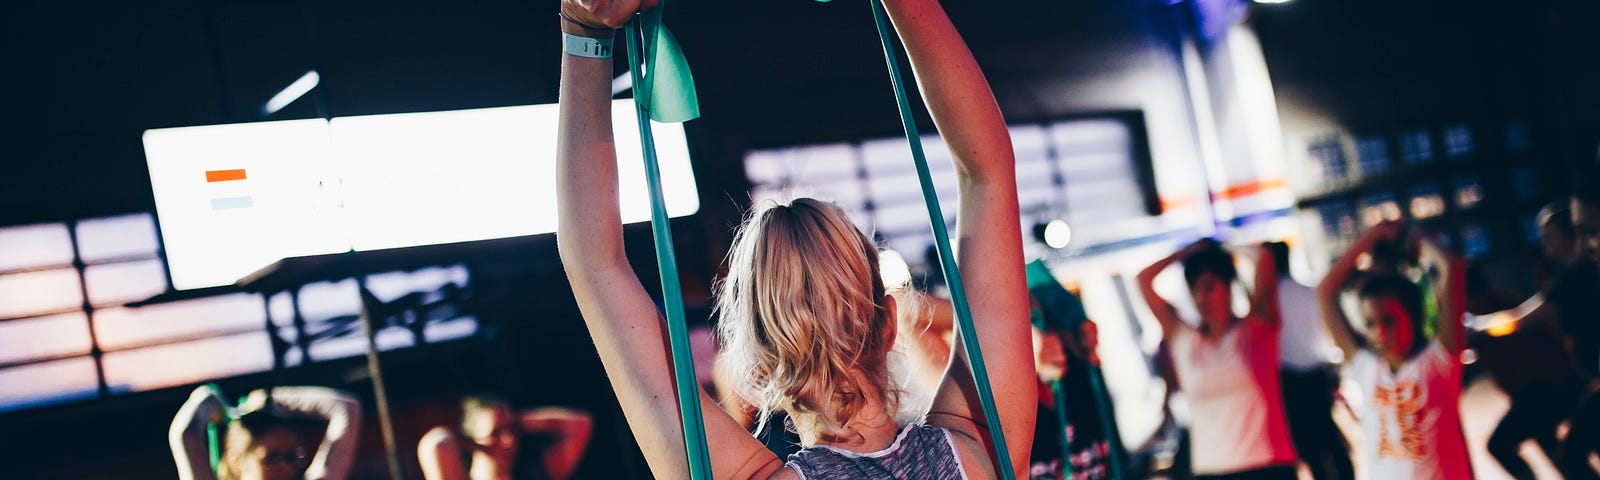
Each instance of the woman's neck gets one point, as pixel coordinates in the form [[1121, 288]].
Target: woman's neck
[[870, 430]]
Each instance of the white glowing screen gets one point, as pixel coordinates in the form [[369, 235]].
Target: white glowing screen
[[232, 199]]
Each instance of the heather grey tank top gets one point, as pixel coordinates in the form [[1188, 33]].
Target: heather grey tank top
[[919, 452]]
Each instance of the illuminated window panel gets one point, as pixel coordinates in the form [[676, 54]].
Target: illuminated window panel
[[30, 246], [187, 363], [281, 307], [389, 286], [39, 292], [1416, 147], [47, 383], [905, 188], [1426, 202], [903, 218], [1372, 152], [1458, 141], [1379, 207], [1092, 157], [123, 327], [1337, 221], [1036, 201], [44, 337], [110, 238], [1031, 143], [354, 345], [1103, 202], [232, 199], [1038, 173], [1330, 160], [452, 329], [1468, 192], [892, 156], [323, 300], [118, 283]]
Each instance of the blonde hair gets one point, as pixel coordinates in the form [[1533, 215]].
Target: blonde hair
[[803, 318]]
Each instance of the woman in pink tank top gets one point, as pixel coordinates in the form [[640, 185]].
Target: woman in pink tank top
[[1227, 365]]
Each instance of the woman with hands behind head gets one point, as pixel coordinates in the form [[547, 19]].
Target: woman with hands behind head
[[1227, 365], [1411, 416]]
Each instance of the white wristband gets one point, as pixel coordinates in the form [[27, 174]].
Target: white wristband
[[586, 47]]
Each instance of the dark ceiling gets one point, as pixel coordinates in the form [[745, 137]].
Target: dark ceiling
[[86, 78]]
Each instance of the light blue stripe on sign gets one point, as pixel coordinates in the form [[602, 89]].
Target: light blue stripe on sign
[[231, 203]]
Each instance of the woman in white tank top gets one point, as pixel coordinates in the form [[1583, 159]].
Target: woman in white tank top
[[1410, 384], [1227, 365]]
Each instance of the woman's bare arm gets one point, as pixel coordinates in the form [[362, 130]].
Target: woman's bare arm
[[1450, 291], [571, 428], [623, 321], [1165, 314], [1264, 306], [439, 453], [187, 436], [988, 240], [1333, 285]]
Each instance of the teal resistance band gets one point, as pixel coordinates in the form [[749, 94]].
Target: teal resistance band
[[694, 435], [1113, 435], [213, 439], [941, 238], [1066, 311], [1061, 402], [1066, 444]]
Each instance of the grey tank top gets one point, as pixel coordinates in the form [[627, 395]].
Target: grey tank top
[[919, 452]]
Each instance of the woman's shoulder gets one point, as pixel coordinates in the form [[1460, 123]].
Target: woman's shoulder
[[438, 438]]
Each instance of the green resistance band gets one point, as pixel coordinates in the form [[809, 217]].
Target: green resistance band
[[941, 238], [1066, 443], [213, 438], [1068, 312], [1039, 321], [666, 93]]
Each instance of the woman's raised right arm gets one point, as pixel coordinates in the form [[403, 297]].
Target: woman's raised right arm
[[187, 436], [1328, 291], [1165, 314], [627, 329]]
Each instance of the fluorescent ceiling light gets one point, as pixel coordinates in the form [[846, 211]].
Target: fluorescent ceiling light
[[292, 92]]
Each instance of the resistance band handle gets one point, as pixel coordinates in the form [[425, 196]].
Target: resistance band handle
[[694, 435], [941, 238]]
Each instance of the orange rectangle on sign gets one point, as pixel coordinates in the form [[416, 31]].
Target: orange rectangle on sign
[[224, 175]]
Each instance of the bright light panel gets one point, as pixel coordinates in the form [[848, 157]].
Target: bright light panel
[[311, 187]]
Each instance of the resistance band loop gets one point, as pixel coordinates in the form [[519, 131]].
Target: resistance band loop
[[213, 439], [941, 237], [1039, 321], [694, 435]]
